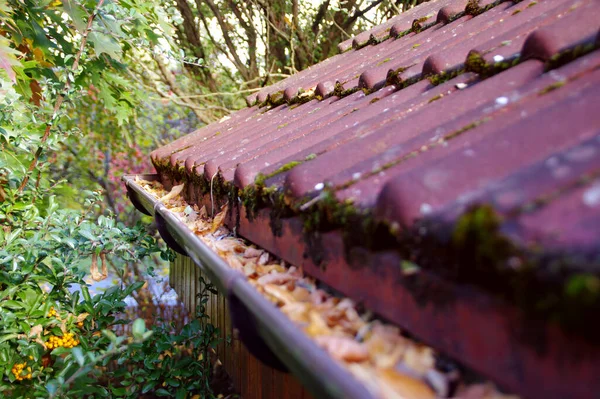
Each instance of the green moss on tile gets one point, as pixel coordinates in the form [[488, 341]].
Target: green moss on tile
[[445, 76], [417, 25], [435, 98], [380, 63], [551, 87]]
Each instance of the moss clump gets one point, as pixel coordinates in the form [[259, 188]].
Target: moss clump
[[374, 100], [477, 242], [276, 99], [260, 179], [417, 25], [515, 12], [475, 63], [310, 157], [282, 125], [339, 90], [380, 63], [472, 8], [435, 98], [569, 55], [393, 77], [182, 148], [552, 87], [445, 76]]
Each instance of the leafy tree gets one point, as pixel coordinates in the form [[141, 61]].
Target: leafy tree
[[53, 55]]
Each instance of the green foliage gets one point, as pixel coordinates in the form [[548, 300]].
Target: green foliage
[[57, 60], [171, 364]]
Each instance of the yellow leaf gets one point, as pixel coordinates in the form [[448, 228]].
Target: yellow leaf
[[219, 219], [81, 317], [175, 191]]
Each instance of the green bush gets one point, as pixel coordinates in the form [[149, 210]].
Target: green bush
[[55, 339]]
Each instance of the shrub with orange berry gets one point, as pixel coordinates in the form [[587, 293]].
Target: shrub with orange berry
[[68, 340], [21, 371]]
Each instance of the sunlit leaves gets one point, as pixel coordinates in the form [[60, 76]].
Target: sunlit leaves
[[104, 44]]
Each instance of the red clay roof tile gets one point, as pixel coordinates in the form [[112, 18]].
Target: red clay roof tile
[[474, 104]]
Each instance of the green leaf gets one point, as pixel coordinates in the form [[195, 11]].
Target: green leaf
[[76, 13], [148, 386], [138, 328], [78, 354], [104, 44], [181, 392]]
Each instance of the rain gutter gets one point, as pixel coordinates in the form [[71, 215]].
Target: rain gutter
[[265, 331]]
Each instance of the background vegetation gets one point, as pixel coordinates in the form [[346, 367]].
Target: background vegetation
[[87, 88]]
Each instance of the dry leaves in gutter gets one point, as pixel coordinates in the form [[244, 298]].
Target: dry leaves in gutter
[[390, 365]]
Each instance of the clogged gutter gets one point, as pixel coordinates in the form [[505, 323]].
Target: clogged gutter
[[389, 364]]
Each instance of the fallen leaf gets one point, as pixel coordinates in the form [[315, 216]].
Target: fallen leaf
[[219, 219], [343, 348], [276, 278], [281, 294], [249, 269], [317, 325], [252, 252], [301, 294], [230, 245], [234, 262], [419, 358], [175, 191], [202, 213], [297, 312], [403, 386], [264, 259]]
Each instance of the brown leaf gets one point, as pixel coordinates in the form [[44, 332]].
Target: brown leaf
[[249, 269], [419, 358], [317, 325], [97, 276], [219, 219], [266, 269], [36, 331], [297, 312], [175, 191], [264, 258], [404, 386], [281, 294], [343, 348], [301, 294], [230, 245], [276, 278], [81, 317], [252, 252], [234, 262]]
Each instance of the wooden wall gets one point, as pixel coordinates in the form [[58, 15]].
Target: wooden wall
[[250, 377]]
